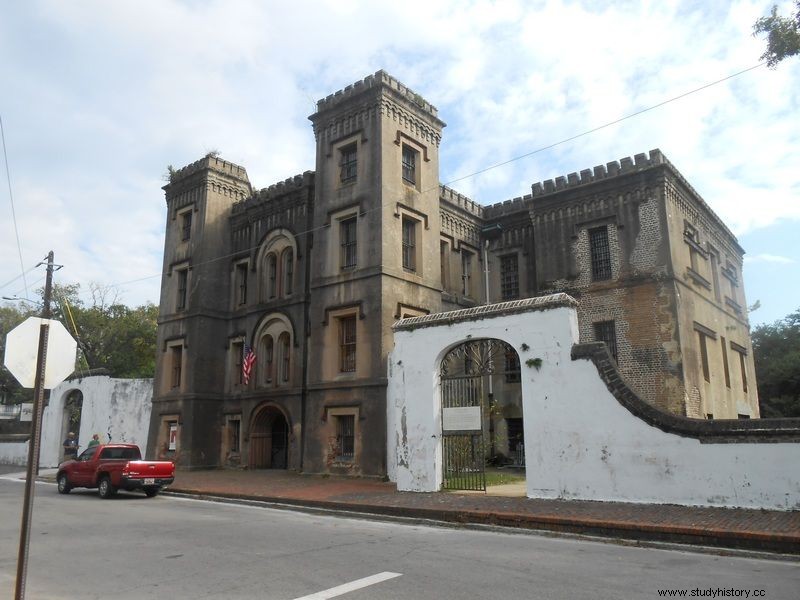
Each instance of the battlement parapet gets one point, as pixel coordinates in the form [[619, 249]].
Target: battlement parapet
[[276, 190], [507, 207], [212, 163], [378, 79], [453, 197], [612, 169]]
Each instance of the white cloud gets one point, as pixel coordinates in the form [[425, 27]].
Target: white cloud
[[769, 258], [108, 94]]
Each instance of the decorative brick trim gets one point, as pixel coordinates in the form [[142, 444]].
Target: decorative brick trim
[[718, 431]]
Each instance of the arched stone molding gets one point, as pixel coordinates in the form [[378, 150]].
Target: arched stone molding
[[271, 351], [271, 258], [261, 441]]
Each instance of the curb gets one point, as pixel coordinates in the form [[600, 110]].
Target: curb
[[637, 532]]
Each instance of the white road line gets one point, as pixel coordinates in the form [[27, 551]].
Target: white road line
[[350, 587]]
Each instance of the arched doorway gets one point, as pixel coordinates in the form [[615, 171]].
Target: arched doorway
[[269, 439], [71, 418], [481, 401]]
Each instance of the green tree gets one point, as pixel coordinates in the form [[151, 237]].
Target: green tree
[[783, 35], [110, 334], [776, 350]]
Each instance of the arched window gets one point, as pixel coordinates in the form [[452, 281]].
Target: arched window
[[285, 357], [288, 272], [266, 353], [272, 276]]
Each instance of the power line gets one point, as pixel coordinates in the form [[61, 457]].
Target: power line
[[13, 212], [490, 167]]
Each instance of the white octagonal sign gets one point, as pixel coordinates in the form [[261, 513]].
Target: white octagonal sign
[[22, 346]]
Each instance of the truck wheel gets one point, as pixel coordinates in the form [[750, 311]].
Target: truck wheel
[[151, 492], [105, 488], [63, 484]]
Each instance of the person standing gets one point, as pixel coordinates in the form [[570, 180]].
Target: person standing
[[70, 446], [95, 441]]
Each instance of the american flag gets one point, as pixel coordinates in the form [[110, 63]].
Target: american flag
[[248, 359]]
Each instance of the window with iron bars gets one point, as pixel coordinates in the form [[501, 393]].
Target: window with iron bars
[[605, 331], [409, 244], [347, 344], [601, 253], [509, 277], [186, 226], [409, 164], [348, 241], [348, 164], [183, 277], [241, 282], [512, 370], [345, 438]]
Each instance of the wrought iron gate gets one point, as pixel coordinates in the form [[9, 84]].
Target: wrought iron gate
[[463, 453]]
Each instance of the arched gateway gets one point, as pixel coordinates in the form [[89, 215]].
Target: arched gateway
[[481, 412], [269, 439]]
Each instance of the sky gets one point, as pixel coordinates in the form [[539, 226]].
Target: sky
[[99, 98]]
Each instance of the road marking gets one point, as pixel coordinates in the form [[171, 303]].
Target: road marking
[[350, 587]]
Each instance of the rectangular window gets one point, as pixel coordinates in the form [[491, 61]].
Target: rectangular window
[[704, 356], [409, 244], [237, 358], [177, 366], [183, 279], [348, 241], [725, 363], [715, 273], [348, 164], [347, 344], [186, 226], [409, 165], [234, 435], [345, 438], [601, 254], [605, 331], [288, 272], [445, 264], [741, 416], [509, 277], [466, 272], [241, 283], [743, 367], [512, 366]]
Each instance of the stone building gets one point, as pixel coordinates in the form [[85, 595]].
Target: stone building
[[312, 272]]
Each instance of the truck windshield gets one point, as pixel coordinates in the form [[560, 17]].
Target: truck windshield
[[120, 454]]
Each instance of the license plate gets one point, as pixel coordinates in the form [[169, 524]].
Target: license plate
[[149, 481]]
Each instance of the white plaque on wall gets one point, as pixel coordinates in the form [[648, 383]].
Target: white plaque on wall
[[26, 412], [462, 418]]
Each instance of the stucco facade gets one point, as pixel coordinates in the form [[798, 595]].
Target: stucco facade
[[312, 272]]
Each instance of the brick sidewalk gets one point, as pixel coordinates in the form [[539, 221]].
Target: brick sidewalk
[[775, 531]]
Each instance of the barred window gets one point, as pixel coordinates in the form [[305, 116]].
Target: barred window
[[466, 272], [704, 356], [183, 277], [509, 277], [347, 344], [348, 241], [272, 269], [286, 357], [512, 366], [601, 254], [177, 360], [605, 331], [348, 164], [409, 164], [241, 283], [345, 437], [186, 226], [288, 272], [409, 244]]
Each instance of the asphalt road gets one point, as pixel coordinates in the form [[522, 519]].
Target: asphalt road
[[132, 547]]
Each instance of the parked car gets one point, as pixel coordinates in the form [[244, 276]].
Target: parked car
[[112, 467]]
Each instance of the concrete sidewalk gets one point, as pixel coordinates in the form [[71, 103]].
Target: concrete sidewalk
[[766, 530]]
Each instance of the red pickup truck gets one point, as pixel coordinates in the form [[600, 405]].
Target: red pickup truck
[[112, 467]]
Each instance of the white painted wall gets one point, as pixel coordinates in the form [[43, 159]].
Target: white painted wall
[[116, 409], [580, 442], [13, 453]]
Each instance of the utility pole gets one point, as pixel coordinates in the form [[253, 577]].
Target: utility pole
[[35, 439]]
